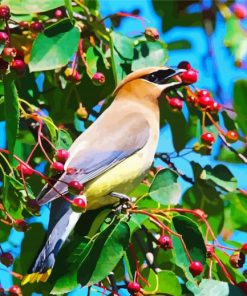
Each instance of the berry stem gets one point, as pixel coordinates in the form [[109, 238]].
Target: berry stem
[[83, 58], [31, 153], [227, 274]]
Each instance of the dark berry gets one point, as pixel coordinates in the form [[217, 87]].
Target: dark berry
[[15, 291], [184, 65], [79, 204], [37, 27], [151, 34], [210, 251], [240, 11], [9, 53], [243, 286], [21, 226], [98, 78], [18, 66], [3, 66], [58, 13], [237, 259], [4, 38], [57, 167], [190, 76], [165, 242], [231, 136], [205, 101], [208, 138], [75, 187], [133, 288], [25, 169], [6, 259], [4, 12], [196, 268], [176, 103], [62, 155]]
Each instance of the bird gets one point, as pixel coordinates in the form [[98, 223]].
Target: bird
[[110, 158]]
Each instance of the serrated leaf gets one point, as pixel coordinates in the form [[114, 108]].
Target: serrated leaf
[[11, 106], [164, 188], [193, 240], [106, 252], [216, 288], [220, 176], [149, 54], [30, 6], [54, 48]]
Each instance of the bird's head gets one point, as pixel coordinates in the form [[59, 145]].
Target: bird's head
[[151, 81]]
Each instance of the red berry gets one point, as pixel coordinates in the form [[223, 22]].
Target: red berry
[[196, 268], [244, 249], [190, 76], [25, 169], [203, 92], [240, 11], [208, 138], [58, 13], [215, 107], [184, 65], [98, 78], [6, 259], [18, 66], [75, 187], [4, 12], [4, 38], [37, 27], [15, 291], [33, 206], [176, 103], [62, 155], [205, 101], [74, 76], [79, 204], [24, 25], [165, 242], [231, 136], [151, 34], [243, 286], [237, 259], [57, 167], [21, 226], [133, 288], [9, 53]]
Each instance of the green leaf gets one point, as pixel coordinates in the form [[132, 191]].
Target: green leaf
[[64, 140], [64, 275], [207, 199], [236, 38], [11, 106], [164, 282], [220, 176], [54, 48], [29, 6], [105, 254], [164, 188], [68, 6], [92, 57], [193, 240], [147, 54], [240, 103], [216, 288]]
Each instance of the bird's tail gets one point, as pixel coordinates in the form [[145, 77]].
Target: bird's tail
[[62, 221]]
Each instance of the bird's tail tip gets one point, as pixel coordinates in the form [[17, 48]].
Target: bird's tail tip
[[36, 277]]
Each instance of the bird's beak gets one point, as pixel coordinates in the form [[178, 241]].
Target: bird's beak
[[167, 83]]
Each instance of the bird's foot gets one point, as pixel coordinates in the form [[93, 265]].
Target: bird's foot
[[124, 204]]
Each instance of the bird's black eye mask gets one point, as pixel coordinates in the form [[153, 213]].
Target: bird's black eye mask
[[162, 76]]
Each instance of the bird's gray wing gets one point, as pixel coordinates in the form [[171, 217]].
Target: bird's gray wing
[[107, 147]]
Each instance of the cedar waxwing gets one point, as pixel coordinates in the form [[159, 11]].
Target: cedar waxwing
[[112, 155]]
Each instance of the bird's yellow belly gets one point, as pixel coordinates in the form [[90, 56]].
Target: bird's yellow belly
[[122, 178]]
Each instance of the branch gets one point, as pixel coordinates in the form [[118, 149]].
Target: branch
[[165, 158]]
